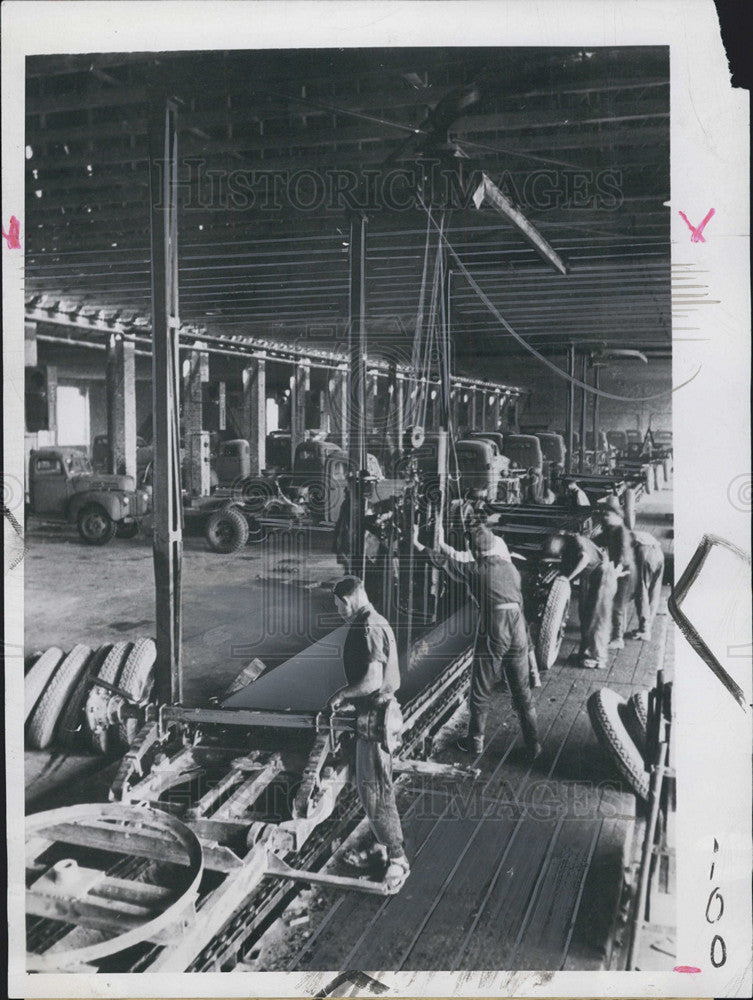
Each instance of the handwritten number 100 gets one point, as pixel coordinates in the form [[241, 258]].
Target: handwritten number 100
[[714, 911]]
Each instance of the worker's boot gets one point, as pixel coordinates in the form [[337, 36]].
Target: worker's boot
[[533, 750], [473, 745]]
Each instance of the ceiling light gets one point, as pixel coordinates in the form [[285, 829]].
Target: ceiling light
[[35, 174], [29, 152], [38, 193], [113, 244], [89, 169]]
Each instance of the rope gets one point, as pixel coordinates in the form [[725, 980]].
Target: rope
[[532, 350]]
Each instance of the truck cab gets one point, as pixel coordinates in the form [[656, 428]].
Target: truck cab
[[524, 452], [554, 451], [63, 487]]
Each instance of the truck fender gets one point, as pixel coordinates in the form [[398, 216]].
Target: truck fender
[[111, 502]]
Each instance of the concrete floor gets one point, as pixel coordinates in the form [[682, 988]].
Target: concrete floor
[[265, 601]]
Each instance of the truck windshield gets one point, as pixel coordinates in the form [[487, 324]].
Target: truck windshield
[[78, 465]]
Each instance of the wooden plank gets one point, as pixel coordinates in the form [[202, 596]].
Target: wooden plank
[[450, 916], [591, 940], [542, 941], [115, 841], [375, 948], [85, 914], [497, 921]]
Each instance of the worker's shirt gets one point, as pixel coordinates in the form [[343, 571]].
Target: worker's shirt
[[575, 547], [618, 541], [370, 639], [645, 539], [492, 581]]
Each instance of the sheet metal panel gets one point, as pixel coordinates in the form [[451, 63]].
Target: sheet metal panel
[[307, 680]]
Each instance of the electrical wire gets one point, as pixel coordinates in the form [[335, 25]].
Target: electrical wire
[[532, 350]]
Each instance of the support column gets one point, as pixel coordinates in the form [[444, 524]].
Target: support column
[[168, 514], [120, 384], [495, 412], [300, 383], [30, 344], [254, 413], [583, 414], [597, 373], [196, 438], [336, 405], [356, 391], [395, 414], [323, 411], [570, 409]]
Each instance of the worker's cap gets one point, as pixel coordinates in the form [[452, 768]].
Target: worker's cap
[[553, 546], [572, 485], [482, 540], [611, 503]]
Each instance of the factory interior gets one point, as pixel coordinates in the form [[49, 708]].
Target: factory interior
[[294, 317]]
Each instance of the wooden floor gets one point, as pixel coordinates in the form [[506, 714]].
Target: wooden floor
[[522, 869]]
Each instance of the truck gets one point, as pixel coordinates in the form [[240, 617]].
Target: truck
[[62, 487]]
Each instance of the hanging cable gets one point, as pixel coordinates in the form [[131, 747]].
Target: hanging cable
[[532, 350]]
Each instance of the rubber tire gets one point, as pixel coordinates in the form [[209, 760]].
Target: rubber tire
[[110, 526], [231, 523], [136, 680], [604, 713], [553, 623], [38, 677], [630, 508], [70, 731], [127, 529], [44, 718], [110, 671], [635, 719]]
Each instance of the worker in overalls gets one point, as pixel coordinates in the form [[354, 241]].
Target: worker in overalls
[[582, 560], [617, 539], [649, 562], [371, 668], [501, 647]]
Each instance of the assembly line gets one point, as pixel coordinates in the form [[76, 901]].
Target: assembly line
[[346, 635]]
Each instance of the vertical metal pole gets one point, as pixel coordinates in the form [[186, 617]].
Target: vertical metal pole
[[583, 414], [168, 511], [570, 409], [597, 371], [357, 390]]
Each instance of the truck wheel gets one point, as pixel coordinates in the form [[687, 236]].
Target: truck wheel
[[227, 530], [110, 672], [127, 529], [630, 508], [604, 713], [136, 680], [635, 719], [38, 677], [45, 716], [71, 728], [95, 525], [553, 623]]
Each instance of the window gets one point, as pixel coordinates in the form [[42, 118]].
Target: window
[[48, 466]]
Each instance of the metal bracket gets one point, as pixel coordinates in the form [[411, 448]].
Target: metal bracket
[[279, 868]]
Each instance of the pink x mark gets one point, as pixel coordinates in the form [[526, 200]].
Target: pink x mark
[[697, 231]]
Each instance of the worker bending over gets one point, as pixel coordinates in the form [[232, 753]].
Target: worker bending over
[[617, 539], [582, 560], [371, 668], [649, 561], [501, 646]]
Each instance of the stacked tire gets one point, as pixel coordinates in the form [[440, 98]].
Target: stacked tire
[[60, 688], [620, 728]]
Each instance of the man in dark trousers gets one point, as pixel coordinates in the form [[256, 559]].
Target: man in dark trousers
[[617, 539], [582, 560], [373, 674], [501, 638]]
